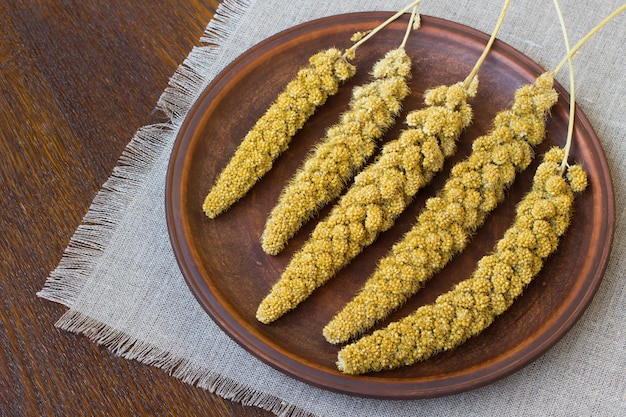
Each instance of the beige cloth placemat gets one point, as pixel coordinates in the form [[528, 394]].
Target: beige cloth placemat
[[123, 288]]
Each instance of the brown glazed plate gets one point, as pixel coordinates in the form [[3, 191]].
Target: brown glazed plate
[[229, 274]]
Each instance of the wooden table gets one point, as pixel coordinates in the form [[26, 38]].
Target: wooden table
[[77, 79]]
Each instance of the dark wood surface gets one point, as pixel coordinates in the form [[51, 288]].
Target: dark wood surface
[[76, 81]]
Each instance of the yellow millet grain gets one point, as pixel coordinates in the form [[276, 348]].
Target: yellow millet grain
[[271, 134], [475, 186], [343, 152], [473, 304], [385, 188]]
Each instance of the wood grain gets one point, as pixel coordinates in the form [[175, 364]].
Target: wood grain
[[77, 79]]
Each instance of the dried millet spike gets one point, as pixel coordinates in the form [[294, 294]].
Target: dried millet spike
[[271, 134], [472, 305], [443, 229], [384, 189], [343, 152]]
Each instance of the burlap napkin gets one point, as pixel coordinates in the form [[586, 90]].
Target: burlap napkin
[[123, 288]]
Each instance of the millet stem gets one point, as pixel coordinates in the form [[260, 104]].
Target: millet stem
[[379, 27], [474, 71], [410, 25], [588, 36], [572, 104]]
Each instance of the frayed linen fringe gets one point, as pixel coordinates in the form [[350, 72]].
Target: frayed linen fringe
[[65, 283], [82, 254], [130, 348]]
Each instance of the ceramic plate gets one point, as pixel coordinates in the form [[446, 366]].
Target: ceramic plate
[[226, 269]]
